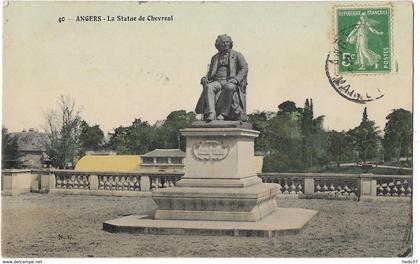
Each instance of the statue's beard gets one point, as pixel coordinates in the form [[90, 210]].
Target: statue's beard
[[224, 50]]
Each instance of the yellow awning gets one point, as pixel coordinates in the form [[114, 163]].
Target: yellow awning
[[109, 163]]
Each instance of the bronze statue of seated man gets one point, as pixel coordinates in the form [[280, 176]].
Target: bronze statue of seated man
[[224, 86]]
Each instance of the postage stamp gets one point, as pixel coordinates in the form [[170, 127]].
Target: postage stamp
[[364, 39]]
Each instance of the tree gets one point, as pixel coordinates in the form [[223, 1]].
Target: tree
[[288, 107], [11, 158], [119, 140], [169, 131], [282, 139], [313, 137], [142, 137], [260, 122], [339, 147], [398, 136], [138, 138], [366, 139], [62, 132], [91, 137]]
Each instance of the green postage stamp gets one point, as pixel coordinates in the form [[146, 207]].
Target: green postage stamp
[[363, 39]]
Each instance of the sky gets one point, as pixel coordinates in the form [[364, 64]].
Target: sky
[[118, 71]]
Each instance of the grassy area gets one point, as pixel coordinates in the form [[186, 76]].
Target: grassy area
[[36, 225]]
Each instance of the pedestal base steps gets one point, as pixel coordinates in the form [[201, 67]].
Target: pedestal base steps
[[281, 222], [250, 203]]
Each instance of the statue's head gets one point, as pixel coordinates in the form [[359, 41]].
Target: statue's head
[[223, 43], [363, 17]]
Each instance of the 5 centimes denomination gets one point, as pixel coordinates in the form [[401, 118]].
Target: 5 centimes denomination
[[363, 34]]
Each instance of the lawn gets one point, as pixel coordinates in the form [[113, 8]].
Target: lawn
[[50, 225]]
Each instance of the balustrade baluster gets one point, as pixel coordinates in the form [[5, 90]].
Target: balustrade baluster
[[286, 187], [113, 183], [126, 186], [152, 183], [402, 191], [332, 188], [58, 181], [171, 182], [117, 183], [108, 183], [101, 182], [347, 190], [395, 191], [325, 188], [380, 190], [79, 182], [136, 183], [299, 189], [293, 188], [408, 190], [339, 190], [281, 188], [71, 182], [318, 188], [387, 191]]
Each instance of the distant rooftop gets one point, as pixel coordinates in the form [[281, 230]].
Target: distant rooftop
[[165, 153], [29, 141]]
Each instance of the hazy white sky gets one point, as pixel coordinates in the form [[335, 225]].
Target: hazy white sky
[[119, 71]]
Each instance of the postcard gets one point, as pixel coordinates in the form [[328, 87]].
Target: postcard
[[207, 129]]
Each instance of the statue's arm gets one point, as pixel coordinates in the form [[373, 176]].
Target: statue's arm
[[371, 29], [242, 68], [353, 32], [213, 62]]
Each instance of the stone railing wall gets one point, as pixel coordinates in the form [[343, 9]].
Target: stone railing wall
[[391, 185], [141, 183], [341, 184], [86, 182], [114, 183]]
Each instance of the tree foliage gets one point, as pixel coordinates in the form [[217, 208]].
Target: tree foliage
[[91, 138], [141, 137], [398, 136], [137, 138], [11, 158], [340, 147], [171, 136], [63, 132], [366, 139], [292, 138]]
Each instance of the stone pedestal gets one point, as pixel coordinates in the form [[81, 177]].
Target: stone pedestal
[[220, 182], [220, 193]]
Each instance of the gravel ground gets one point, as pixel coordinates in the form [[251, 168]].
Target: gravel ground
[[39, 225]]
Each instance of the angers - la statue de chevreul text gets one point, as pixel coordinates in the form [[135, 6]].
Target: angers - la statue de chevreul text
[[151, 18]]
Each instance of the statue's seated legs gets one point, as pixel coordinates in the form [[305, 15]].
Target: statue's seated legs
[[220, 99]]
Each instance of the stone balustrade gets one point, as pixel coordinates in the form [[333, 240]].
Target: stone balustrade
[[87, 182], [390, 185], [142, 183], [341, 184]]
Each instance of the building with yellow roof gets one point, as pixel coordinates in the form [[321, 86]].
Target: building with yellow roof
[[108, 163]]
